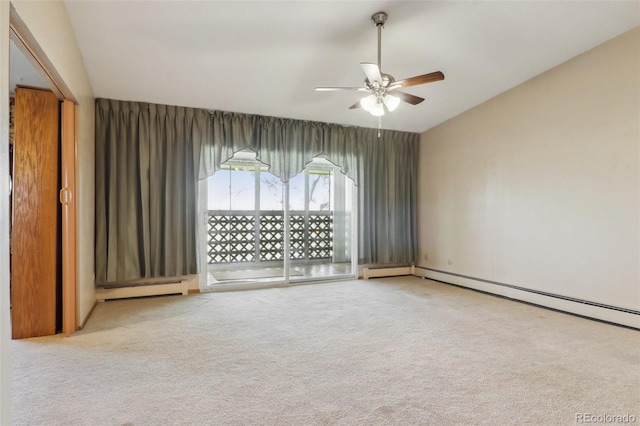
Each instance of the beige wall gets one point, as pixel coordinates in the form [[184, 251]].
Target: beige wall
[[5, 318], [539, 186], [48, 22]]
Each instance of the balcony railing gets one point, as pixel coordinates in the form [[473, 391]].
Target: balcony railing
[[237, 236]]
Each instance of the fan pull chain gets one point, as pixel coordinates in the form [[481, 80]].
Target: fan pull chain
[[379, 126]]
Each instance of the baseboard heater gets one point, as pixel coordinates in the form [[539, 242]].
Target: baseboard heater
[[142, 288], [585, 308], [385, 271]]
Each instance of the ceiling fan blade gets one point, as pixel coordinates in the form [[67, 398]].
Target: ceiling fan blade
[[372, 72], [356, 105], [406, 97], [335, 89], [419, 79]]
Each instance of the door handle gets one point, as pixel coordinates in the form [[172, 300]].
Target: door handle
[[65, 196]]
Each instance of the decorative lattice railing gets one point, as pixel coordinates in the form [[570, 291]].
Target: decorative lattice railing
[[249, 236]]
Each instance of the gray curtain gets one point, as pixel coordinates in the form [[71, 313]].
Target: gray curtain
[[145, 190], [224, 134], [285, 145], [340, 147], [387, 196], [149, 156]]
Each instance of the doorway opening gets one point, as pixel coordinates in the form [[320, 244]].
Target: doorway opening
[[261, 230], [43, 196]]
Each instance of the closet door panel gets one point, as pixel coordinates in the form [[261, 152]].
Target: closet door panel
[[34, 236]]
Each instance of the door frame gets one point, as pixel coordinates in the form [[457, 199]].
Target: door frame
[[68, 216], [27, 44]]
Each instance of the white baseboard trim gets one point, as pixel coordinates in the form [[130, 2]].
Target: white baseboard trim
[[587, 309], [181, 287], [386, 272]]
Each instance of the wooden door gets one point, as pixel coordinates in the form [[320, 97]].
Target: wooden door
[[34, 232]]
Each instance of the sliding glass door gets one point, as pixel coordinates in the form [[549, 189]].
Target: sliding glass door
[[259, 229], [320, 214]]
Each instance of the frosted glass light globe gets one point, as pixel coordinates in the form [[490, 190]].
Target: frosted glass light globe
[[391, 102], [378, 110], [368, 103]]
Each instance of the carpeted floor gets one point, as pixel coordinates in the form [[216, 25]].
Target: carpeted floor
[[397, 351]]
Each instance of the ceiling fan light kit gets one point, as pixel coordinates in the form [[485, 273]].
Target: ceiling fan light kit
[[391, 102], [384, 95]]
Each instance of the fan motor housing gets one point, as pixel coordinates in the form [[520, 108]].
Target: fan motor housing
[[379, 18]]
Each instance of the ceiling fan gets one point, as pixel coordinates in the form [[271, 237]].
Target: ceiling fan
[[383, 88]]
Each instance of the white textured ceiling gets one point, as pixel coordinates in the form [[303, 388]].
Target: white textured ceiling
[[266, 57]]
